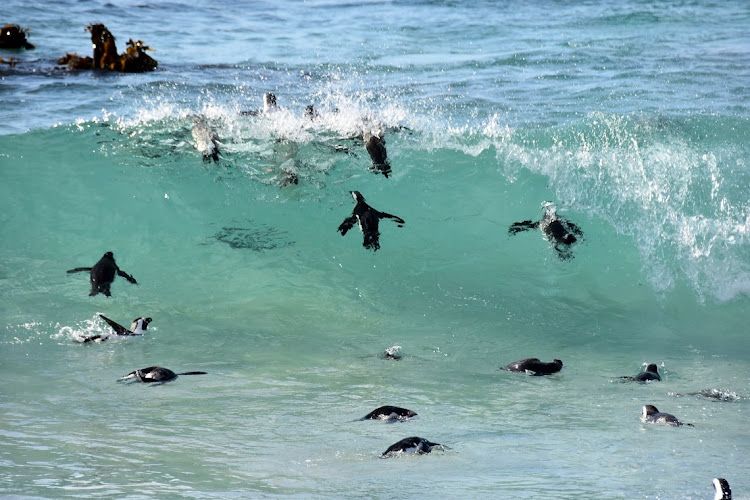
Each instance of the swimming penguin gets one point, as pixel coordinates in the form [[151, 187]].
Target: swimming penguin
[[414, 444], [368, 219], [269, 105], [311, 113], [652, 415], [206, 140], [103, 274], [722, 491], [651, 373], [138, 327], [269, 102], [375, 146], [391, 414], [392, 353], [713, 394], [559, 232], [154, 374], [13, 36], [289, 173], [535, 367]]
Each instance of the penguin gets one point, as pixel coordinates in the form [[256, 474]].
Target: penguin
[[368, 219], [535, 367], [375, 146], [712, 394], [391, 414], [269, 102], [103, 274], [651, 373], [560, 232], [722, 491], [652, 415], [414, 444], [269, 106], [311, 113], [206, 140], [392, 352], [138, 327], [154, 374]]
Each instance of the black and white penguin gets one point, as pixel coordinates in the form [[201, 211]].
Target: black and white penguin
[[206, 140], [414, 444], [269, 106], [717, 395], [375, 146], [652, 415], [391, 414], [269, 102], [368, 219], [311, 113], [289, 174], [651, 373], [722, 491], [535, 367], [560, 232], [392, 352], [154, 374], [138, 327], [103, 274]]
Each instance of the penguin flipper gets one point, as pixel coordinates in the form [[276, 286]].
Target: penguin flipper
[[347, 225], [118, 328], [78, 270], [517, 227], [92, 338], [397, 219], [130, 377], [126, 276]]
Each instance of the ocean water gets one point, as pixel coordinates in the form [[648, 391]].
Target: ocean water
[[632, 117]]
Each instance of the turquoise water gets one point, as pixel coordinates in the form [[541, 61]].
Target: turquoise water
[[631, 117]]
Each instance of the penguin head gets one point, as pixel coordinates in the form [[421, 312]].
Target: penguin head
[[357, 196], [269, 101], [140, 324], [652, 368], [649, 410], [392, 352], [548, 205]]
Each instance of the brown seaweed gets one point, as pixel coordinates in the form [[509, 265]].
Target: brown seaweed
[[13, 36], [105, 56]]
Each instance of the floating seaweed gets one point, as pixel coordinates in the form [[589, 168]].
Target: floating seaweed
[[13, 36], [133, 60]]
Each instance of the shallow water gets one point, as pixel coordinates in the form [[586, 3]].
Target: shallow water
[[631, 118]]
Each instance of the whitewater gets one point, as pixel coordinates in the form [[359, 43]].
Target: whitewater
[[630, 118]]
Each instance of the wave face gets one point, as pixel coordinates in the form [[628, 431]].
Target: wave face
[[631, 120]]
